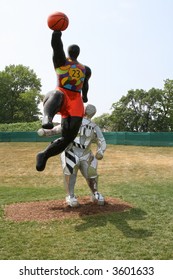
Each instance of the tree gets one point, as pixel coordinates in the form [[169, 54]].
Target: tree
[[130, 112], [103, 122], [142, 111], [167, 103], [19, 95]]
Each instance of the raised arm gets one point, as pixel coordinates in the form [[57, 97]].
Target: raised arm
[[59, 57], [86, 84]]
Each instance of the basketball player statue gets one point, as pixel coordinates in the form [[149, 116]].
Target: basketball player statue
[[67, 99], [79, 156]]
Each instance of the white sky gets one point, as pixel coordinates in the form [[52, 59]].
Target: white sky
[[128, 44]]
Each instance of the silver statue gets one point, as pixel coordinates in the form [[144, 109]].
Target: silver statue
[[79, 156]]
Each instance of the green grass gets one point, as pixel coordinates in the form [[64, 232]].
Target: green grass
[[141, 176]]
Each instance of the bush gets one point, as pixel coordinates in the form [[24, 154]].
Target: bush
[[30, 126]]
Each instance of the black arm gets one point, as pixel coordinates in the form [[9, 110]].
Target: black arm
[[59, 57], [86, 84]]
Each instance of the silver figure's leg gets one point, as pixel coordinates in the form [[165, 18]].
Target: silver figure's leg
[[70, 170], [88, 169], [69, 184], [93, 184]]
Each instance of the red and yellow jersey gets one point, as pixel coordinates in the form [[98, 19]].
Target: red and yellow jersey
[[71, 76]]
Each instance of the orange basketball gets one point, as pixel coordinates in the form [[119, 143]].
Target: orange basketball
[[58, 21]]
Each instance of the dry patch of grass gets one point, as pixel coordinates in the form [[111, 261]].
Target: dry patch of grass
[[120, 164], [137, 164], [17, 166]]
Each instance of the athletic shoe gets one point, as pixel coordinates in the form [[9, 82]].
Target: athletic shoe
[[72, 201], [41, 161], [97, 197]]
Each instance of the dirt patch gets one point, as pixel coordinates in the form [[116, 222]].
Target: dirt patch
[[58, 210]]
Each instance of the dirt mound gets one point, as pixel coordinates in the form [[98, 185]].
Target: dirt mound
[[57, 209]]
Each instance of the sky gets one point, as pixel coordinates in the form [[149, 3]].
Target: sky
[[128, 44]]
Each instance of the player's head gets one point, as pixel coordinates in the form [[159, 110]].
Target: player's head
[[90, 111], [73, 51]]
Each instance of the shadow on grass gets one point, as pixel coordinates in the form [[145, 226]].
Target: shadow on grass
[[120, 220]]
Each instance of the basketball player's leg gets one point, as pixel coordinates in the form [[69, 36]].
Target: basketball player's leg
[[51, 105], [70, 128]]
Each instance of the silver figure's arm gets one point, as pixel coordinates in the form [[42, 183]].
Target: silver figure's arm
[[101, 143]]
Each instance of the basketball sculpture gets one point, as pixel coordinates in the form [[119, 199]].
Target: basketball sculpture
[[58, 21]]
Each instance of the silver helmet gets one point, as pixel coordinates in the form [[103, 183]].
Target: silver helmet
[[90, 110]]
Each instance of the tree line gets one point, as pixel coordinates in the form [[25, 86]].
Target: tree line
[[138, 111], [141, 111]]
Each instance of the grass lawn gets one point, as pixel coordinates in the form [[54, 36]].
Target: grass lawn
[[141, 176]]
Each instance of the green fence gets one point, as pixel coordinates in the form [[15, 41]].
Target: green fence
[[140, 138], [24, 137], [116, 138]]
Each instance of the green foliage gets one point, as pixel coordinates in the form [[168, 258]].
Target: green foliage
[[19, 94], [27, 126], [103, 122], [141, 111]]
